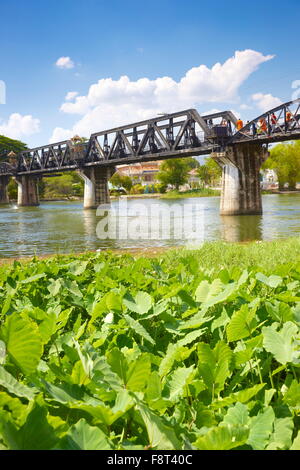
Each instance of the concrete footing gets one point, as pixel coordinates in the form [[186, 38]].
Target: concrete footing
[[96, 190], [241, 193], [4, 180], [28, 194]]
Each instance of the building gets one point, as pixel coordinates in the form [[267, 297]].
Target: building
[[269, 179], [141, 173]]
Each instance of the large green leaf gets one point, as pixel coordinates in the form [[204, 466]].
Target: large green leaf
[[261, 427], [176, 384], [13, 386], [138, 328], [282, 344], [242, 324], [223, 438], [82, 436], [161, 436], [141, 303], [23, 342]]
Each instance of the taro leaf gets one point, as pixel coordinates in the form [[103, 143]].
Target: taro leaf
[[113, 301], [48, 327], [279, 311], [140, 304], [282, 436], [23, 342], [13, 386], [153, 391], [82, 436], [242, 324], [35, 434], [261, 427], [272, 281], [33, 278], [243, 396], [54, 287], [223, 438], [206, 291], [177, 382], [213, 365], [282, 344], [138, 328], [190, 337], [161, 435], [237, 415], [138, 373], [78, 267], [133, 375]]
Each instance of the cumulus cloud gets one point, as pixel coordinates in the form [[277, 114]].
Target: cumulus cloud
[[71, 95], [264, 102], [111, 102], [18, 126], [65, 63]]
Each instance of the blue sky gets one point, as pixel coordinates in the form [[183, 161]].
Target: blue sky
[[140, 40]]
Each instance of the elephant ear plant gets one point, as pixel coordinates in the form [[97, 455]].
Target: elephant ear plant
[[106, 351]]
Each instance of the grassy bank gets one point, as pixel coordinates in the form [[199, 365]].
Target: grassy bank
[[187, 350], [205, 192]]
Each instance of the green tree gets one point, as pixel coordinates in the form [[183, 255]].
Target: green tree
[[8, 145], [285, 161], [210, 172], [123, 181], [174, 172]]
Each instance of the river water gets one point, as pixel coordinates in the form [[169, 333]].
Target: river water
[[64, 227]]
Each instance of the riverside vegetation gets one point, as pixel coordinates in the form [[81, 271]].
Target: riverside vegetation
[[191, 350]]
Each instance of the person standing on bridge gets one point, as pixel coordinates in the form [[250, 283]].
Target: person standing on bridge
[[288, 119], [239, 124], [273, 120]]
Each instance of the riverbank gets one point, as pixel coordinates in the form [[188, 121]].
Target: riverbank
[[215, 255]]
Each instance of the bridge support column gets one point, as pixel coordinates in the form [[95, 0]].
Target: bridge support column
[[95, 186], [4, 180], [241, 193], [28, 194]]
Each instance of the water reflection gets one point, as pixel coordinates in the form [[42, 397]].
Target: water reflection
[[241, 228]]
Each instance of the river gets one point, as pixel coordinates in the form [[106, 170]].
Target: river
[[64, 227]]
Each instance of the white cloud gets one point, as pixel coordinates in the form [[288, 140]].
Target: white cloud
[[245, 107], [65, 63], [19, 126], [71, 95], [111, 102], [265, 102]]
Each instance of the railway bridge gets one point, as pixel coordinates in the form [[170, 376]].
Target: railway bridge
[[239, 151]]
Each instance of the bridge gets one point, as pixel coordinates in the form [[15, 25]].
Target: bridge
[[240, 153]]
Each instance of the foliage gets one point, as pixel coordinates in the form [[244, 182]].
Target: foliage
[[210, 172], [123, 181], [67, 185], [202, 192], [106, 351], [8, 145], [174, 172], [137, 189], [285, 160]]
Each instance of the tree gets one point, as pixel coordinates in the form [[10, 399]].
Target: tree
[[210, 172], [285, 160], [174, 172], [8, 145], [123, 181]]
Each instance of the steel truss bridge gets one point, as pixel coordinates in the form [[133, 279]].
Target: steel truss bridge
[[177, 135]]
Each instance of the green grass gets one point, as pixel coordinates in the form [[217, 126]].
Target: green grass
[[219, 255], [192, 193]]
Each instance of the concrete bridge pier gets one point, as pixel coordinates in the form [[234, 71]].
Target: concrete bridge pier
[[28, 194], [95, 186], [241, 193], [4, 180]]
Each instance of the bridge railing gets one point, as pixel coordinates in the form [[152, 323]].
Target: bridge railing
[[280, 123]]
